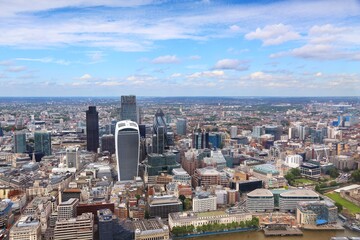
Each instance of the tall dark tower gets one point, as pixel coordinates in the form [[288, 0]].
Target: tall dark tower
[[129, 110], [92, 129]]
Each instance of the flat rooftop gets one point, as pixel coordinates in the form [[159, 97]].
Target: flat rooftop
[[299, 193], [260, 192]]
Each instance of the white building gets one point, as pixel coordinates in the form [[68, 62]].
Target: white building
[[80, 228], [73, 157], [204, 202], [288, 200], [293, 161], [27, 228], [233, 131], [260, 200], [221, 196]]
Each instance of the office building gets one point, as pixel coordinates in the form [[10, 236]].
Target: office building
[[316, 213], [42, 140], [92, 129], [181, 219], [181, 176], [5, 213], [288, 200], [159, 140], [106, 224], [293, 161], [73, 157], [209, 176], [204, 202], [152, 229], [181, 126], [161, 206], [26, 228], [19, 142], [161, 163], [260, 200], [67, 209], [129, 110], [142, 130], [108, 143], [233, 131], [1, 131], [258, 131], [77, 228], [127, 148], [276, 131], [310, 170]]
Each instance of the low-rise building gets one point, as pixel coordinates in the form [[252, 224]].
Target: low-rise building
[[310, 170], [27, 228], [288, 200], [81, 227], [161, 206], [316, 213], [180, 219], [151, 229], [204, 202]]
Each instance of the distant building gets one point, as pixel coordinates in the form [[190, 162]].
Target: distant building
[[181, 125], [204, 202], [209, 176], [67, 209], [27, 227], [42, 141], [293, 161], [180, 219], [152, 229], [19, 142], [161, 206], [108, 143], [233, 131], [316, 213], [80, 227], [127, 142], [92, 129], [310, 170], [260, 200], [288, 200], [129, 110], [161, 163], [73, 157]]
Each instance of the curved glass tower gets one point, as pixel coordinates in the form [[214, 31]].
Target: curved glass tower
[[127, 148]]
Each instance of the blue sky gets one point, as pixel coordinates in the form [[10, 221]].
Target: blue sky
[[179, 48]]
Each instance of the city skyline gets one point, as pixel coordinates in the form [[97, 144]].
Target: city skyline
[[173, 48]]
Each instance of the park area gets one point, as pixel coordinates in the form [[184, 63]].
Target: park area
[[351, 207], [303, 181]]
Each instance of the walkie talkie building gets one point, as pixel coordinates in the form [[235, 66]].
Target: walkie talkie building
[[127, 142]]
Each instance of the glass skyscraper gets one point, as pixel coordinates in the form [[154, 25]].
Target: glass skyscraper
[[129, 110], [127, 142], [42, 142], [181, 126], [19, 142], [92, 129]]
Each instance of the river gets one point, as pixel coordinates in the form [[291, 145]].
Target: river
[[259, 235]]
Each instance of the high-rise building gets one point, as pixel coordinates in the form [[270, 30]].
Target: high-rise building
[[181, 126], [42, 141], [129, 110], [106, 224], [127, 148], [1, 131], [233, 131], [19, 142], [159, 140], [73, 157], [92, 129], [108, 143]]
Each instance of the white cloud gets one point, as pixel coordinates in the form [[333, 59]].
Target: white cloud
[[95, 56], [176, 75], [86, 77], [231, 64], [195, 57], [45, 60], [15, 69], [235, 28], [207, 74], [318, 74], [166, 59], [273, 34]]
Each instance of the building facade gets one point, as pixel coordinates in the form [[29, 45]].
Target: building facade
[[80, 228], [129, 110], [42, 140], [204, 202], [260, 200], [92, 129], [127, 142]]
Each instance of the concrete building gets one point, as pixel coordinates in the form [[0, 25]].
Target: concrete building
[[260, 200], [151, 229], [27, 228], [79, 228], [73, 157], [288, 200], [161, 206], [204, 202], [209, 176], [310, 170], [67, 209], [5, 213], [181, 176], [233, 131], [316, 213], [293, 161], [180, 219]]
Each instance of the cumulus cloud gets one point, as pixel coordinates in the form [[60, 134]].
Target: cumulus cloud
[[231, 64], [86, 77], [166, 59], [273, 34]]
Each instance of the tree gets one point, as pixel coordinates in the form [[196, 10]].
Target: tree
[[187, 204], [339, 206], [333, 172], [333, 183], [355, 176], [147, 215], [137, 196], [182, 198]]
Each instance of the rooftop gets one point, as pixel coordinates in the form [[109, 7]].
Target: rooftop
[[299, 193], [260, 192]]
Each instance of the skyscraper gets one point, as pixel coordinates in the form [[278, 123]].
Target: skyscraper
[[19, 142], [127, 147], [181, 126], [108, 143], [42, 141], [73, 157], [233, 131], [129, 110], [92, 129], [1, 131]]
